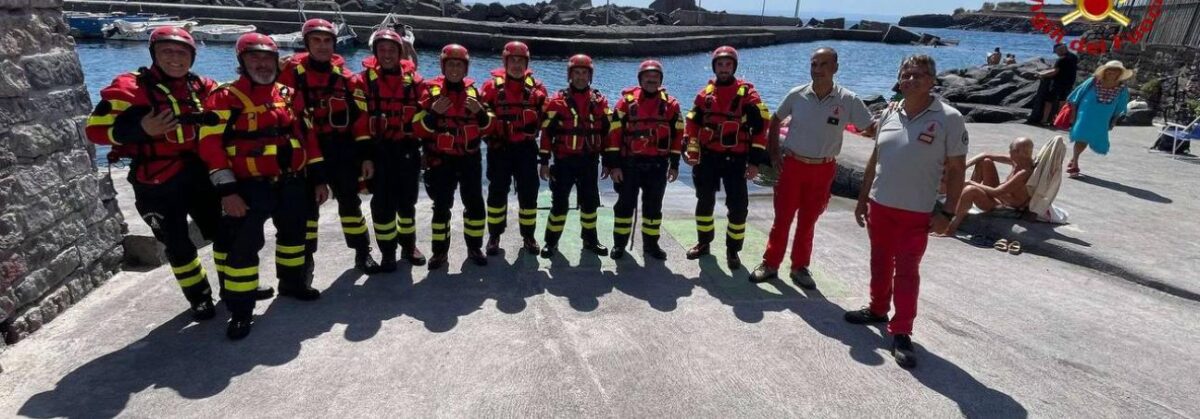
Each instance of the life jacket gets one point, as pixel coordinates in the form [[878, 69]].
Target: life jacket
[[327, 96], [647, 123], [517, 105], [159, 159], [581, 128], [393, 100], [260, 136], [722, 124], [457, 132]]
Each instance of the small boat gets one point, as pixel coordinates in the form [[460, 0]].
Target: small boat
[[140, 31], [346, 39], [221, 34], [91, 25]]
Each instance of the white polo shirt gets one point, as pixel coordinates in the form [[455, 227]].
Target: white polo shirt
[[816, 127], [912, 152]]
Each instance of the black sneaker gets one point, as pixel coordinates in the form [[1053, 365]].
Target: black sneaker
[[203, 310], [903, 351], [299, 292], [700, 250], [803, 279], [596, 247], [414, 256], [655, 252], [617, 253], [864, 316], [437, 261], [239, 328], [477, 256], [549, 250], [763, 273], [733, 260], [263, 292], [493, 245]]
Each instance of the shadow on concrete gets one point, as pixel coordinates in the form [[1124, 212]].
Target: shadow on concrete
[[1133, 191], [652, 281], [974, 399], [581, 285]]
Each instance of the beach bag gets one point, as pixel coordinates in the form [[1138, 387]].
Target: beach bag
[[1063, 120], [1165, 143]]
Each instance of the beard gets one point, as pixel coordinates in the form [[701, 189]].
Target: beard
[[261, 76]]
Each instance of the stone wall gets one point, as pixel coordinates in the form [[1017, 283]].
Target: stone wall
[[60, 229], [695, 18]]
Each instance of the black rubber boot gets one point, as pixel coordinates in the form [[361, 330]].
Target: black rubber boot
[[700, 250], [239, 327], [493, 245], [364, 262], [263, 293], [596, 247], [477, 256], [203, 310], [655, 252], [437, 261], [414, 256], [388, 264]]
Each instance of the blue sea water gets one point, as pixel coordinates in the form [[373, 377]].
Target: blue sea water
[[866, 68]]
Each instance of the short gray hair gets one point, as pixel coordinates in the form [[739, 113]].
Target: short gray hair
[[919, 60]]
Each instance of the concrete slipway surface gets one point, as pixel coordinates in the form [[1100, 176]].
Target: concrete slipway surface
[[1040, 334]]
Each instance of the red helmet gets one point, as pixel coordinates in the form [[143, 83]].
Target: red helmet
[[580, 60], [172, 34], [255, 42], [650, 65], [455, 52], [386, 35], [514, 49], [725, 51], [318, 25]]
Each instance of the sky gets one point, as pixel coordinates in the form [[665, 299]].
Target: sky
[[821, 9]]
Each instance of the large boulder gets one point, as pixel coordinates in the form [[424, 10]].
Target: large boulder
[[477, 12], [496, 10], [991, 95], [927, 21], [522, 11], [668, 6], [571, 5], [898, 35], [990, 114], [348, 6], [835, 23], [868, 25]]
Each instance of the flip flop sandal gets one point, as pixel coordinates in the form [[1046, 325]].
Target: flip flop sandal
[[1001, 245], [1014, 248]]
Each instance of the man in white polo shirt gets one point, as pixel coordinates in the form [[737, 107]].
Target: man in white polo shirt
[[919, 140], [819, 113]]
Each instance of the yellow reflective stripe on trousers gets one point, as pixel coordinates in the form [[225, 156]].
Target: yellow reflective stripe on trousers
[[528, 221], [736, 236], [620, 220], [310, 236], [240, 272], [623, 230], [312, 223], [185, 268], [529, 212], [705, 228], [707, 219], [497, 210], [385, 236], [439, 237], [558, 218], [495, 220], [407, 230], [192, 280], [473, 223], [290, 262], [236, 286], [289, 249]]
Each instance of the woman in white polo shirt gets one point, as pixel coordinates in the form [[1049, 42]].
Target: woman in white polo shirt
[[919, 140]]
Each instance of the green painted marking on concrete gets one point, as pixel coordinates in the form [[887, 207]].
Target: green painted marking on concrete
[[570, 246], [753, 247]]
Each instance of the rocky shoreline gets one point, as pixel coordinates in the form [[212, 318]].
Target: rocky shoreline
[[992, 22], [1006, 93]]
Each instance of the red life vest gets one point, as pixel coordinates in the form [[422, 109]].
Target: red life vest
[[393, 100], [457, 132], [722, 124], [575, 128], [324, 97], [517, 104], [157, 160], [259, 136], [650, 125]]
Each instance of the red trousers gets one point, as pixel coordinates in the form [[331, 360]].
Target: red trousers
[[801, 195], [898, 239]]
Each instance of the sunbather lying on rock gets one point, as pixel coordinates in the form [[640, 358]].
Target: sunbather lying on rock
[[986, 191]]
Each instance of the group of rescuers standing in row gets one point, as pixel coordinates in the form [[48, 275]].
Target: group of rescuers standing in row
[[273, 144]]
